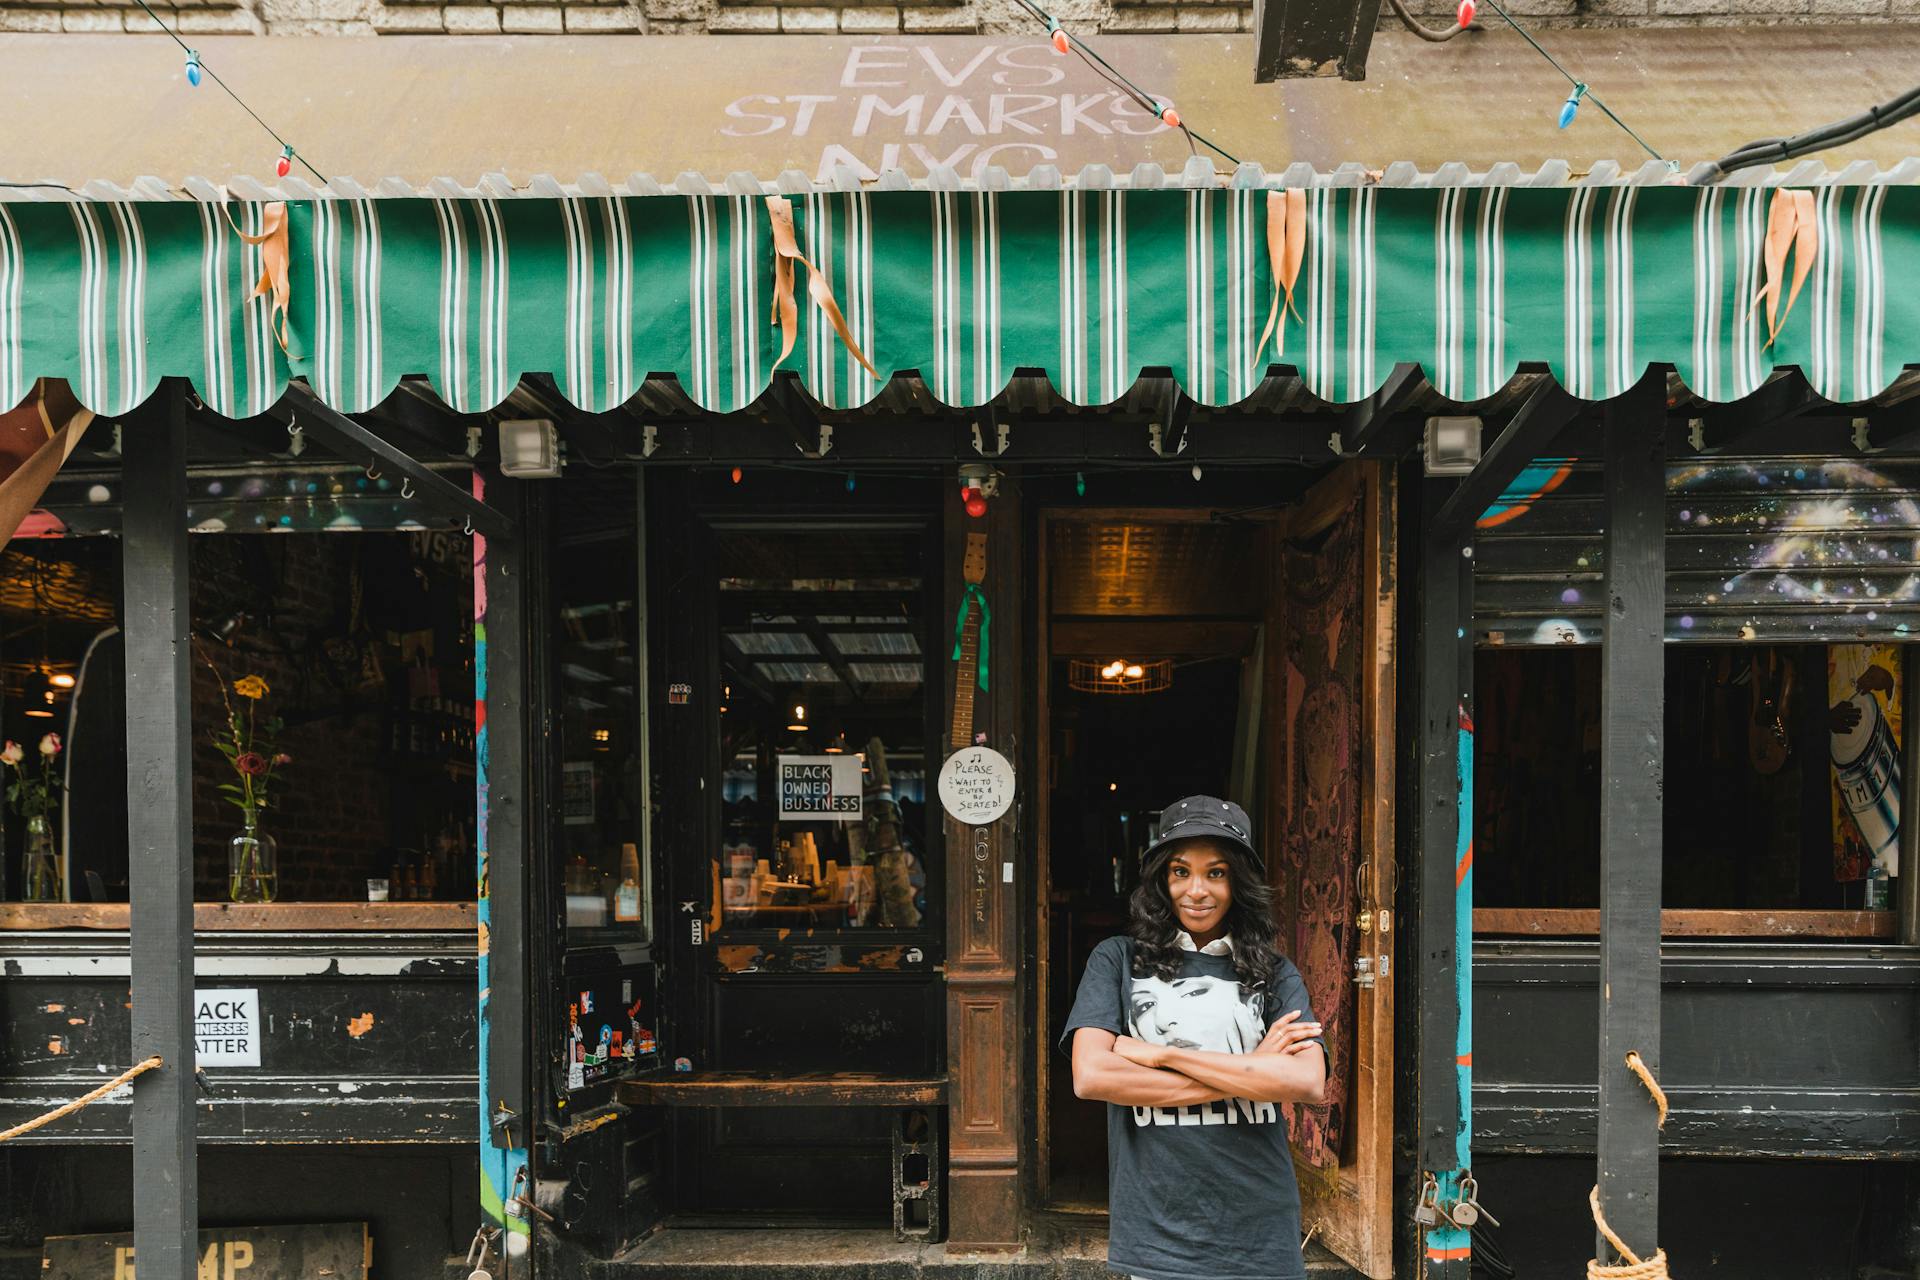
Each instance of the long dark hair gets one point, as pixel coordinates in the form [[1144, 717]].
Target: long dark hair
[[1154, 925]]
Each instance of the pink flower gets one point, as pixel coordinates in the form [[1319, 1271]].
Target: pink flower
[[281, 759], [251, 763], [50, 745], [12, 753]]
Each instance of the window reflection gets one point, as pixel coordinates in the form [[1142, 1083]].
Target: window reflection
[[602, 789], [822, 729]]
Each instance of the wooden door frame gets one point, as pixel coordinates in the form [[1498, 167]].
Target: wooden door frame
[[1042, 676], [1357, 1221]]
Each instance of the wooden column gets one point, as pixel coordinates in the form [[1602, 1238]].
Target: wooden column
[[1632, 729], [1445, 621], [166, 1191], [983, 998]]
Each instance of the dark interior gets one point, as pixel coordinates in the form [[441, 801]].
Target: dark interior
[[1754, 818], [1117, 757]]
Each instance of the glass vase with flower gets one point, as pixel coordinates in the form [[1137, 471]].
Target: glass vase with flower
[[35, 796], [247, 741]]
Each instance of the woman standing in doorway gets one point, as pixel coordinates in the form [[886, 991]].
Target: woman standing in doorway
[[1193, 1028]]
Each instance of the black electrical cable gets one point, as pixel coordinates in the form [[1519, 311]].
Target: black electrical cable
[[1839, 132], [1433, 35], [1118, 79]]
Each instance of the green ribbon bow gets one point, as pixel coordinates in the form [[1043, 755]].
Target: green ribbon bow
[[972, 596]]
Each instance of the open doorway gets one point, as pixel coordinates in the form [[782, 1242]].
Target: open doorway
[[1153, 693]]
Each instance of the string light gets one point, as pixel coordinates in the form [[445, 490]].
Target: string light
[[1080, 483], [197, 68], [735, 473], [1467, 11], [1165, 112], [1571, 107], [284, 165], [1196, 471], [849, 482]]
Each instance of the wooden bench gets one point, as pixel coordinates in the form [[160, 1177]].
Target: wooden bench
[[913, 1101]]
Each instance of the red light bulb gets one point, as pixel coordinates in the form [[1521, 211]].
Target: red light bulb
[[1060, 42], [284, 165], [736, 475], [1170, 117], [1468, 8], [976, 502]]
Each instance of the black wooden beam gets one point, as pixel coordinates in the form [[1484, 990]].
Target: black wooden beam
[[1445, 611], [1632, 732], [507, 561], [166, 1188], [1525, 437], [341, 434], [1763, 422], [1307, 38], [1366, 423], [796, 413]]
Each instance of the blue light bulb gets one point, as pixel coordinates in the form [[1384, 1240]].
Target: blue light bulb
[[1571, 107], [1080, 483], [193, 68]]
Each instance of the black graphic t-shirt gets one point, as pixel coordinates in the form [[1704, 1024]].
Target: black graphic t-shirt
[[1203, 1192]]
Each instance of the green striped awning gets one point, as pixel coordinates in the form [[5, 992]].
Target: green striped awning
[[1092, 286]]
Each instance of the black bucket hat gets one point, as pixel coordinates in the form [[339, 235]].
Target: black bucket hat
[[1208, 817]]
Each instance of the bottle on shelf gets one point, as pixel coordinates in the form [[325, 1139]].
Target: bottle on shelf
[[626, 897]]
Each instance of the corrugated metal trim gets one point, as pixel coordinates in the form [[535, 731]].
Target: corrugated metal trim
[[1198, 173]]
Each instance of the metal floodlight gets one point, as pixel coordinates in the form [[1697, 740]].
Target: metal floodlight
[[1453, 446], [530, 449]]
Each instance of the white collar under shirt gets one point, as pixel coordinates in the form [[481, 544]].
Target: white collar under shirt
[[1220, 946]]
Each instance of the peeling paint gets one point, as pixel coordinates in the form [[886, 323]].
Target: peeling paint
[[347, 1086], [57, 1045], [76, 1022], [54, 1008], [357, 1027]]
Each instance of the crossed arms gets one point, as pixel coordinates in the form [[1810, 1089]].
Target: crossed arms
[[1287, 1066]]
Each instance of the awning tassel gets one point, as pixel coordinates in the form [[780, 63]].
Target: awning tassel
[[274, 258], [1286, 250], [786, 249], [1792, 227]]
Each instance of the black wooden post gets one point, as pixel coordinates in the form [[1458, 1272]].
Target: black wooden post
[[1632, 732], [509, 778], [166, 1191], [1445, 613]]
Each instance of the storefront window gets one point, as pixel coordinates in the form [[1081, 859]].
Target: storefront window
[[823, 728], [332, 687], [1782, 783], [603, 798]]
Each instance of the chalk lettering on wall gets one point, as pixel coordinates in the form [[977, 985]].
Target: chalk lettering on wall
[[908, 107]]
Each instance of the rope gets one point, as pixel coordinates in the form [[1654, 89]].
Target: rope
[[1639, 1068], [138, 1068], [1654, 1268]]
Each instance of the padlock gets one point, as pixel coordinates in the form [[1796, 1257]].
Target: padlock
[[1468, 1210], [478, 1255], [1365, 922], [1427, 1212]]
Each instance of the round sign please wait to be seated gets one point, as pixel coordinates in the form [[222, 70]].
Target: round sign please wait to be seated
[[976, 785]]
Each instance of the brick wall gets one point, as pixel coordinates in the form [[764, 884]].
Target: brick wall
[[924, 17]]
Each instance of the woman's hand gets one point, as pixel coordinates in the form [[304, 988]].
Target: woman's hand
[[1289, 1035], [1140, 1052]]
